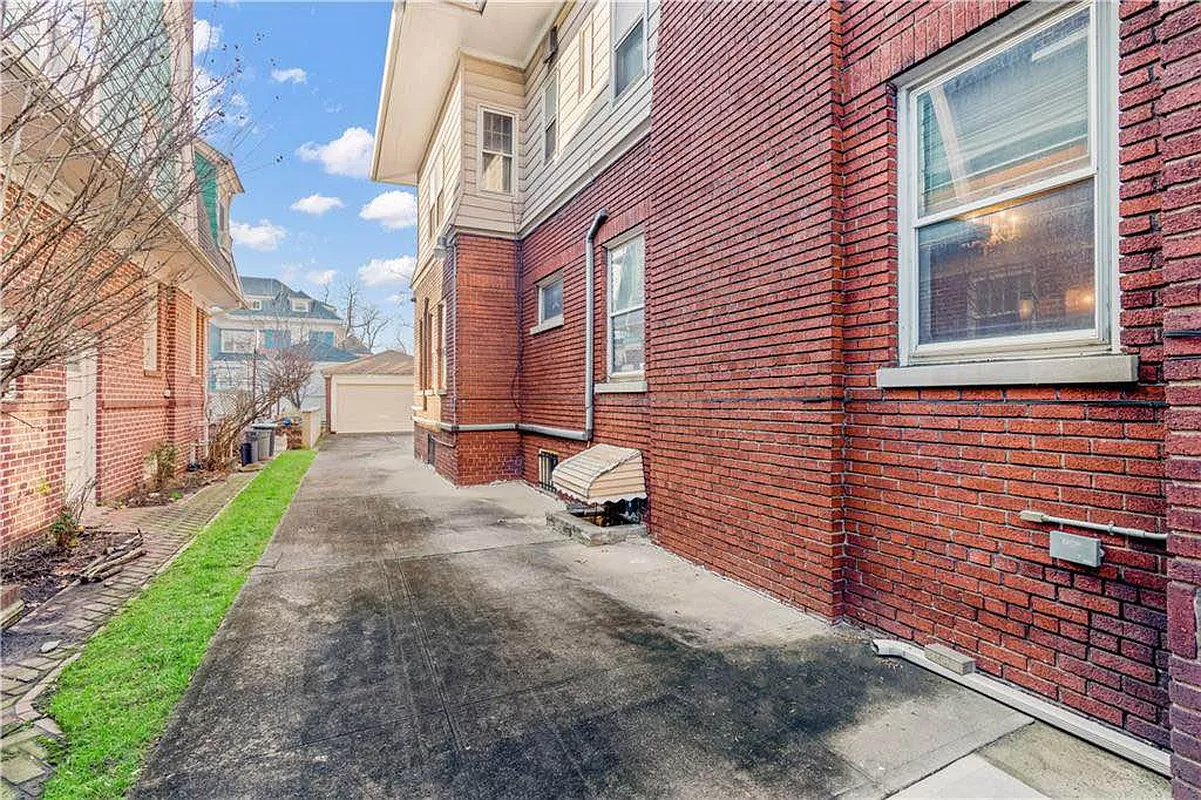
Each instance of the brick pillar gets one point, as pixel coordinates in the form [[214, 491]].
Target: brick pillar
[[1179, 108]]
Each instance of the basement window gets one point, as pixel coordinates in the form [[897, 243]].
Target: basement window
[[547, 461], [1007, 160]]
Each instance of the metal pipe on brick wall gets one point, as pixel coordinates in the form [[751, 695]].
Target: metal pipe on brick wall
[[1030, 515], [1114, 741], [590, 321]]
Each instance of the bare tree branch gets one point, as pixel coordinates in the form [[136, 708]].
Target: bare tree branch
[[99, 122]]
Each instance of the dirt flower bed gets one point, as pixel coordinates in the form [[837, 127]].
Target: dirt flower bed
[[186, 484], [43, 570]]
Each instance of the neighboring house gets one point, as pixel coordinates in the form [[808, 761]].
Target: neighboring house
[[88, 426], [275, 317], [855, 297], [373, 394]]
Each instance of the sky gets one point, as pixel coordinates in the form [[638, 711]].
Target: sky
[[300, 85]]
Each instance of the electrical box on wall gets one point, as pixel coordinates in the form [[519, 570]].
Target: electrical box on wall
[[1077, 549]]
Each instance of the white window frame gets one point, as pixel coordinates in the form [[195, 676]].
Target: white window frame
[[150, 334], [616, 37], [546, 323], [480, 151], [586, 45], [998, 37], [615, 243], [442, 346], [304, 307], [254, 340], [435, 194], [255, 304], [552, 83]]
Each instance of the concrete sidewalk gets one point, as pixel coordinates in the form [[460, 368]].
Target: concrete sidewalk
[[405, 638]]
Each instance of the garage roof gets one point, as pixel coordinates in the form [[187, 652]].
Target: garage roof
[[389, 362], [601, 474]]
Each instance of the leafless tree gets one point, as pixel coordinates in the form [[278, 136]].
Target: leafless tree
[[99, 113], [349, 293], [284, 375], [370, 324]]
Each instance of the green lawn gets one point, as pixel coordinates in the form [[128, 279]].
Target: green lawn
[[114, 701]]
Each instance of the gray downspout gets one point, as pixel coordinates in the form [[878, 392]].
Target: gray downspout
[[590, 320]]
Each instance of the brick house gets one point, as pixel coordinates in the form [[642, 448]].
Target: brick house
[[869, 280], [89, 425]]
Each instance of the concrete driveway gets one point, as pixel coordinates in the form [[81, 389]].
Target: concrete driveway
[[402, 638]]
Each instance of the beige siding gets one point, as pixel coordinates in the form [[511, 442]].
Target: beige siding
[[593, 126], [590, 126], [444, 157], [499, 88]]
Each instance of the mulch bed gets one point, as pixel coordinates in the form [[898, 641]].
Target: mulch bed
[[43, 570]]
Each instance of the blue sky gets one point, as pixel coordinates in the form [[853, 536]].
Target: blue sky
[[302, 114]]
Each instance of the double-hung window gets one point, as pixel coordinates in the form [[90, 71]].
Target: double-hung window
[[625, 295], [497, 133], [550, 116], [629, 43], [1007, 205]]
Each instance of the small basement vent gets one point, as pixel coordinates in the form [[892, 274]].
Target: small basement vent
[[431, 449], [547, 461]]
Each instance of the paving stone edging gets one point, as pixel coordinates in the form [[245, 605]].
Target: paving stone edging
[[73, 616]]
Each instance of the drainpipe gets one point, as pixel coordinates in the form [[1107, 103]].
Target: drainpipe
[[590, 320]]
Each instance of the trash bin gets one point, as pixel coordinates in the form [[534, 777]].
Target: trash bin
[[264, 433], [250, 437], [246, 450]]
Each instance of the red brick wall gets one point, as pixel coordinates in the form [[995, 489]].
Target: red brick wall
[[552, 362], [1174, 52], [139, 408], [32, 456], [769, 203], [935, 478], [742, 297]]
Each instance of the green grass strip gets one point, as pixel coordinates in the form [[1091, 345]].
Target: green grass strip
[[114, 701]]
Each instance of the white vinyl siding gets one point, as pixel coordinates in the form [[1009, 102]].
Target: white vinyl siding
[[593, 128], [442, 168], [1007, 216]]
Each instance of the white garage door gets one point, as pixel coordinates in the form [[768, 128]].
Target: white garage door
[[371, 407]]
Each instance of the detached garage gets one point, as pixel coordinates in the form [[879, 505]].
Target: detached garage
[[371, 395]]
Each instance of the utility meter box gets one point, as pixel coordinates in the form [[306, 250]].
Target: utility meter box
[[1077, 549]]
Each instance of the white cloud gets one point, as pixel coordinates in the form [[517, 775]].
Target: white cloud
[[399, 297], [287, 273], [205, 36], [293, 74], [237, 110], [321, 277], [393, 210], [264, 236], [384, 271], [349, 154], [316, 204]]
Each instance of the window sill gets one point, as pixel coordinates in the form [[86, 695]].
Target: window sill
[[1026, 372], [621, 387], [546, 325], [440, 392]]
